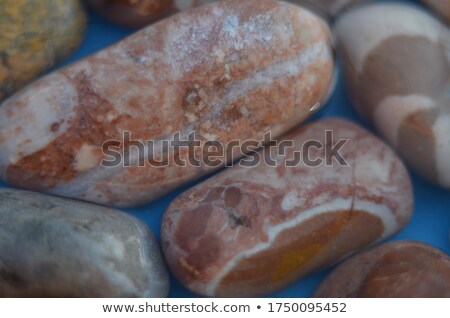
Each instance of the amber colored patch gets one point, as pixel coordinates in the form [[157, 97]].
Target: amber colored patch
[[294, 260], [300, 250]]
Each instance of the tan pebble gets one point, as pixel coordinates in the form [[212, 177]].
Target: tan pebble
[[396, 66]]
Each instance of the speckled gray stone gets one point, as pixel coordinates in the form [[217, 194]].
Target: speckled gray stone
[[54, 247]]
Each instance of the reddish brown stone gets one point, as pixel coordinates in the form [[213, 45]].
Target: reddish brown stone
[[232, 70], [393, 270], [252, 231]]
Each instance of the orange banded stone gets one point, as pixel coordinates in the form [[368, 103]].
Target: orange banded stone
[[251, 231]]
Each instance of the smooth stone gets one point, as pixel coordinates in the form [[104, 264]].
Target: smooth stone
[[253, 231], [232, 70], [397, 71], [138, 13], [54, 247], [398, 269], [442, 7], [34, 36]]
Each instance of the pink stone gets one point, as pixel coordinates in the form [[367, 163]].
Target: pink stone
[[232, 70], [253, 231]]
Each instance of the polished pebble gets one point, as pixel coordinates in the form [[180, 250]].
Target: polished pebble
[[251, 231], [232, 70], [34, 36], [397, 71], [54, 247], [393, 270]]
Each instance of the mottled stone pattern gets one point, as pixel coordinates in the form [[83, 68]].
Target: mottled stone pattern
[[397, 70], [137, 13], [34, 35], [53, 247], [442, 7], [253, 231], [328, 8], [394, 270], [230, 70]]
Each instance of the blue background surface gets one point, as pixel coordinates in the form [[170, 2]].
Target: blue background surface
[[431, 218]]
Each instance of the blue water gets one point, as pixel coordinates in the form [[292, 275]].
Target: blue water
[[431, 218]]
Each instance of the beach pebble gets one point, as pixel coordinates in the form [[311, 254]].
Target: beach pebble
[[137, 13], [393, 270], [396, 66], [54, 247], [232, 70], [34, 36], [442, 7], [251, 231]]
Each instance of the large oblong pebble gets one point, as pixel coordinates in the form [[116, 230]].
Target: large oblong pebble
[[136, 13], [442, 7], [393, 270], [34, 36], [397, 70], [53, 247], [232, 70], [252, 231]]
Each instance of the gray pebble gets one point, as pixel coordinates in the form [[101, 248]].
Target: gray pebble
[[54, 247]]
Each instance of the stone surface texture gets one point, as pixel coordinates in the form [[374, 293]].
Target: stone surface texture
[[394, 270], [138, 13], [397, 71], [54, 247], [442, 7], [232, 70], [253, 231], [34, 36], [328, 8]]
